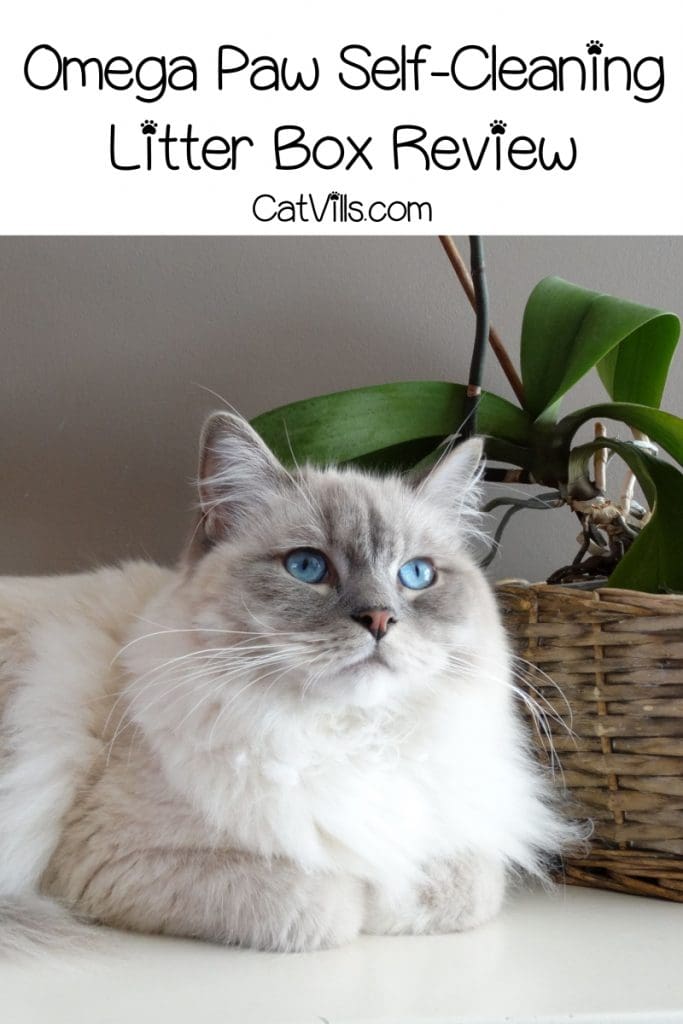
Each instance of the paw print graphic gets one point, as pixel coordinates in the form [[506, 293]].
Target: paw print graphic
[[333, 195], [594, 47], [498, 127], [149, 127]]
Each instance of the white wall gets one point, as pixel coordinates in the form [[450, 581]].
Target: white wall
[[105, 342]]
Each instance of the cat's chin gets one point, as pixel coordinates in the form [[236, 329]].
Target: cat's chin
[[366, 661], [370, 691], [363, 682]]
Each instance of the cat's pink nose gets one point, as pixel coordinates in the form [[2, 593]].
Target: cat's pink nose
[[376, 620]]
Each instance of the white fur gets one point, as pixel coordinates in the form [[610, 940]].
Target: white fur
[[123, 742], [67, 629], [375, 793]]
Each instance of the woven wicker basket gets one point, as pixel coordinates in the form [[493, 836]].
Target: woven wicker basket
[[617, 656]]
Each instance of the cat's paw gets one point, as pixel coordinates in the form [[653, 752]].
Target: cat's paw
[[462, 895], [327, 911], [456, 896]]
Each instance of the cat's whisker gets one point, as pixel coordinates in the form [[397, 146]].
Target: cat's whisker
[[549, 707], [229, 665], [278, 660], [550, 710], [539, 715], [251, 614], [221, 398], [466, 668], [225, 667], [542, 727], [264, 648], [236, 649], [228, 656], [199, 629], [447, 446], [300, 484], [130, 688], [211, 693], [219, 672], [150, 672], [177, 659], [311, 680], [534, 669], [239, 693], [285, 672], [127, 718]]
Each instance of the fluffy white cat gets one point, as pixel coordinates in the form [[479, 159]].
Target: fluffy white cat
[[305, 731]]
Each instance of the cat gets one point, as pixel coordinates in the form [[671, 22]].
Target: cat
[[304, 731]]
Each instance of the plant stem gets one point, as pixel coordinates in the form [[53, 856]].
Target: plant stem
[[463, 275], [600, 460], [481, 299], [629, 484]]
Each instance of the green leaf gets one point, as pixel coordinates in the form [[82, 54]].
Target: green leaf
[[399, 456], [665, 429], [372, 424], [567, 330], [636, 370], [654, 562]]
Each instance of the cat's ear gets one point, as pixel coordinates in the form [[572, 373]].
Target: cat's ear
[[453, 480], [238, 475]]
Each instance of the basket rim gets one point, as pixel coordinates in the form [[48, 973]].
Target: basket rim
[[597, 593]]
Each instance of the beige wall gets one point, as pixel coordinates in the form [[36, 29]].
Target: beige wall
[[106, 341]]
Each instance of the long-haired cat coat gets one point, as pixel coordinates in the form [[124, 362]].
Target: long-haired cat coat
[[305, 731]]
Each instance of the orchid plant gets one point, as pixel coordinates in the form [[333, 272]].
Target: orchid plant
[[567, 331]]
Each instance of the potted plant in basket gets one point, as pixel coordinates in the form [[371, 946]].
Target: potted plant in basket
[[614, 644]]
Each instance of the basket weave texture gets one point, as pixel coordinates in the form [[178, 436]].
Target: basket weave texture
[[617, 656]]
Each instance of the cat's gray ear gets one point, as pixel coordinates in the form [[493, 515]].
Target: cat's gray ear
[[453, 480], [238, 475]]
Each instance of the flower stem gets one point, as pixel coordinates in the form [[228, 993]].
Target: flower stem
[[463, 275]]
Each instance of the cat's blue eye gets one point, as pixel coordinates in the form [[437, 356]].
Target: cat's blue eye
[[306, 565], [417, 574]]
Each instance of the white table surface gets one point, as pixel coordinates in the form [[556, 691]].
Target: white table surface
[[577, 955]]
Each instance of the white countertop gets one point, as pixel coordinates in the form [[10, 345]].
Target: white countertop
[[577, 955]]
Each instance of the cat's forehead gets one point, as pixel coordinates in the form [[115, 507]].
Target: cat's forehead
[[365, 518]]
